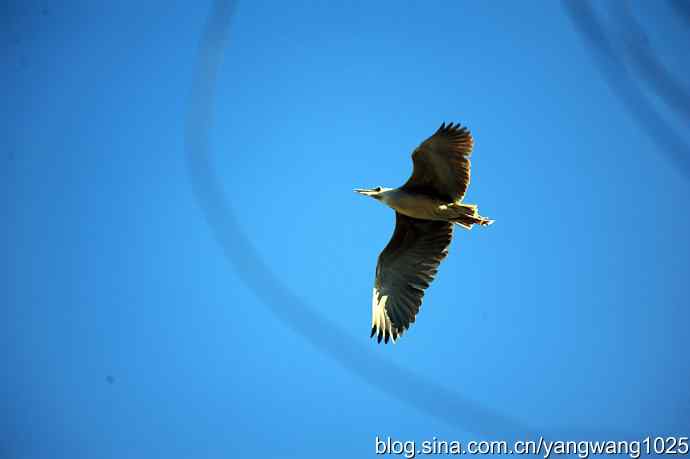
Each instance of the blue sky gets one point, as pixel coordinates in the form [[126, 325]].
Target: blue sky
[[568, 315]]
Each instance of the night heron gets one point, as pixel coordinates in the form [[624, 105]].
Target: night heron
[[426, 208]]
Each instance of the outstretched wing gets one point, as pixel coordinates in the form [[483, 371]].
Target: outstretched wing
[[404, 270], [442, 164]]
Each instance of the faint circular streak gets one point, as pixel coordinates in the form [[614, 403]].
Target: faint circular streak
[[400, 383], [657, 76], [619, 81]]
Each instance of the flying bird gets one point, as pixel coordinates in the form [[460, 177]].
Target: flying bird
[[426, 208]]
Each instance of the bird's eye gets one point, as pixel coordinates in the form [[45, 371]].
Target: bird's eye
[[378, 188]]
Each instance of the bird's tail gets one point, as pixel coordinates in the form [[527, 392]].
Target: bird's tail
[[467, 215]]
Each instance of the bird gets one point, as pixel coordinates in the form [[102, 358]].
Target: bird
[[427, 207]]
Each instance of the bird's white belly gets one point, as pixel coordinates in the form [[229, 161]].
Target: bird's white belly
[[416, 206]]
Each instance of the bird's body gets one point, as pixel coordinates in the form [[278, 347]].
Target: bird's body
[[427, 206], [414, 205]]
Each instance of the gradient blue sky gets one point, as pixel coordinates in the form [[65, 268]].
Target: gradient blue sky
[[570, 313]]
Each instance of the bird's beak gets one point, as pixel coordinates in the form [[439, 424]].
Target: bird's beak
[[365, 192]]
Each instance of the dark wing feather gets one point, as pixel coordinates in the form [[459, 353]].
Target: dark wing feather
[[442, 164], [404, 270]]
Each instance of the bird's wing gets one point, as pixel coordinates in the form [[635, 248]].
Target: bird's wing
[[442, 164], [404, 270]]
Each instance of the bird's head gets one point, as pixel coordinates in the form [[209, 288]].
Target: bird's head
[[376, 193]]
